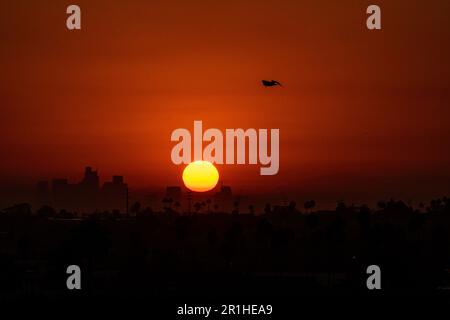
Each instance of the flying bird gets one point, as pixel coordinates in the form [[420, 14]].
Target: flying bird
[[271, 83]]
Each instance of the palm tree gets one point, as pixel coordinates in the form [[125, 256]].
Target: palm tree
[[135, 208], [236, 207], [341, 206], [197, 207], [208, 202], [309, 205], [291, 206], [167, 203], [381, 205], [46, 211]]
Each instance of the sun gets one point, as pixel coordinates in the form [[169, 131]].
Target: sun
[[200, 176]]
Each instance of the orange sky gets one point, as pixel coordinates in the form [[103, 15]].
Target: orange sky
[[362, 114]]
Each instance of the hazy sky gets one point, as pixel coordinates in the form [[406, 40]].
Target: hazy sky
[[362, 114]]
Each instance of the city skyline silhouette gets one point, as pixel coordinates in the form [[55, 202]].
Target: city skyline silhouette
[[101, 114]]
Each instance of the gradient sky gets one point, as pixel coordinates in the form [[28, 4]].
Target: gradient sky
[[364, 114]]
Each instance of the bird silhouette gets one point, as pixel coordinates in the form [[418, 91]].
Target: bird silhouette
[[271, 83]]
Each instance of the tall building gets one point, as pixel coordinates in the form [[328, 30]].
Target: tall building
[[114, 194], [87, 191], [61, 193], [91, 180], [87, 196]]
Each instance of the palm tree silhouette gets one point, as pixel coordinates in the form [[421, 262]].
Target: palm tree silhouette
[[309, 205], [135, 208], [197, 207]]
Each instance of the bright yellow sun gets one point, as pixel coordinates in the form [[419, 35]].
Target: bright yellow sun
[[200, 176]]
